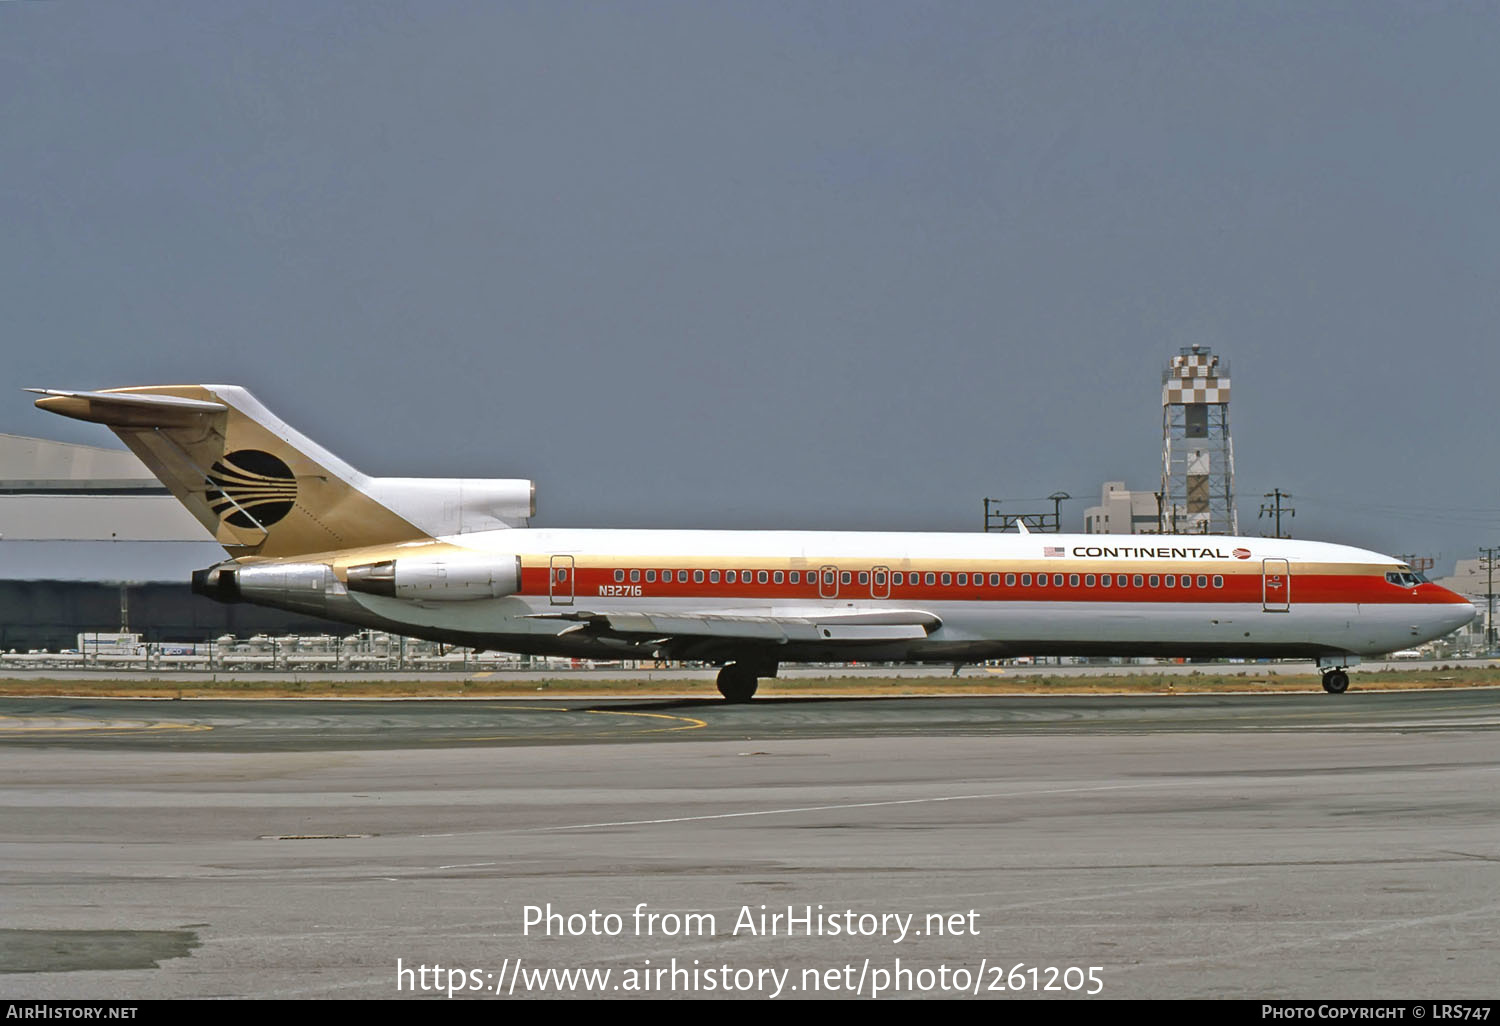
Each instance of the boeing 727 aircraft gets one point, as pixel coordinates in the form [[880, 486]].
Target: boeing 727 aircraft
[[454, 560]]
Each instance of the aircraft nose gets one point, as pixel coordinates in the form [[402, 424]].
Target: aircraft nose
[[1461, 613], [1453, 610]]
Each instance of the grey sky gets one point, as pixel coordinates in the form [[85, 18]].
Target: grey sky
[[818, 265]]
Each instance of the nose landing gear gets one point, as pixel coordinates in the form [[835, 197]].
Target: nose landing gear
[[1335, 682], [1333, 667]]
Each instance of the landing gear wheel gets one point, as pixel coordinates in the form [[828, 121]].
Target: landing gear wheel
[[737, 683], [1336, 682]]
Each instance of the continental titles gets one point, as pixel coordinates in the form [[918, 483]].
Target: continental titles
[[1143, 552]]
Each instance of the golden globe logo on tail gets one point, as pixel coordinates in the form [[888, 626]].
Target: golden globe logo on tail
[[256, 489]]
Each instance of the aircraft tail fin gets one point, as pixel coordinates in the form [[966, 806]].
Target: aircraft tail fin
[[263, 489]]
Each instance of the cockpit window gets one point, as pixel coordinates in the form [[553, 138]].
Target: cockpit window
[[1405, 578]]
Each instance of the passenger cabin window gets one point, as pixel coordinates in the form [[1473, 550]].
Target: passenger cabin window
[[1057, 580], [897, 578], [713, 577], [947, 580], [1218, 581], [1025, 580], [1138, 580], [697, 576], [635, 577], [995, 580], [761, 577], [620, 576], [730, 576], [1041, 580], [1106, 580], [1010, 580], [778, 577], [1171, 580], [864, 577], [931, 579], [1072, 580], [1203, 580], [1088, 580], [650, 576], [1155, 581]]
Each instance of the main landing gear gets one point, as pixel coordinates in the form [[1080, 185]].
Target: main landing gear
[[738, 681]]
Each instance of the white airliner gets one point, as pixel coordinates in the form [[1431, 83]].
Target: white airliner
[[454, 560]]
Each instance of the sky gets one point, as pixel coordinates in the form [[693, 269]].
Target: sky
[[815, 265]]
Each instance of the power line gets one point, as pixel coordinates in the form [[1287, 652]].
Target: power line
[[1441, 516]]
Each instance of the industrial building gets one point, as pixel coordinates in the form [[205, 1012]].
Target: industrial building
[[91, 541], [1473, 579], [1121, 511]]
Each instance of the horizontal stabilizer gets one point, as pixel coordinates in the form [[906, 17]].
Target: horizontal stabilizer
[[126, 409]]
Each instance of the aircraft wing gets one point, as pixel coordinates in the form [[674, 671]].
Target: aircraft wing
[[875, 626]]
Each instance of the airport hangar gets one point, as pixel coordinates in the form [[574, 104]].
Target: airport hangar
[[91, 541]]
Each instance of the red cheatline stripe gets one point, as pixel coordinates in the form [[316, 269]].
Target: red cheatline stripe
[[1244, 588]]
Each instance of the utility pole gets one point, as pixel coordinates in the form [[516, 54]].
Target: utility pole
[[1489, 593], [1268, 509]]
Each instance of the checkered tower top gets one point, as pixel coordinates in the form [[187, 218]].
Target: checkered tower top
[[1195, 375]]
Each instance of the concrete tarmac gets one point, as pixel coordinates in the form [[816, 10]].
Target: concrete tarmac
[[1270, 846]]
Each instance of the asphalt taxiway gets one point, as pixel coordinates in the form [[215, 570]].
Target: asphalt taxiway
[[327, 725], [1207, 846]]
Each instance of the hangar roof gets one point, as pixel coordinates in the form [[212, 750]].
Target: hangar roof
[[63, 492], [36, 464]]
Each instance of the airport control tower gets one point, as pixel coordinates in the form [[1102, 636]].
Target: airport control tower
[[1197, 456]]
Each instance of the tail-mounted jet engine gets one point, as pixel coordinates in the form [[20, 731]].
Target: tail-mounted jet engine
[[302, 587], [438, 580]]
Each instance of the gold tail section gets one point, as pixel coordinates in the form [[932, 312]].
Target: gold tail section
[[261, 488]]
